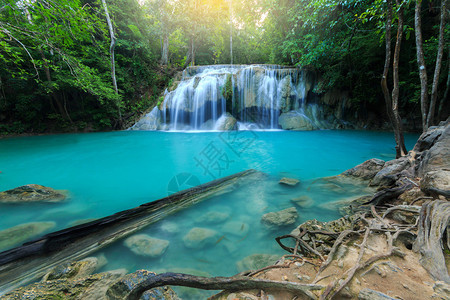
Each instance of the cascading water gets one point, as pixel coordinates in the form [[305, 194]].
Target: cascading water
[[224, 97]]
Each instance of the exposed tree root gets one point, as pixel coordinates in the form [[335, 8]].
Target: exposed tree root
[[408, 208], [385, 195], [299, 243], [433, 222], [333, 288], [266, 268], [336, 245], [222, 283]]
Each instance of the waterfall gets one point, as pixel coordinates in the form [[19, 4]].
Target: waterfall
[[225, 97]]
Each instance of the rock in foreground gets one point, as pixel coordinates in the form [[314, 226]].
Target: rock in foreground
[[31, 193], [367, 170]]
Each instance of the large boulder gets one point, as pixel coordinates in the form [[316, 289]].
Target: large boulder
[[16, 235], [434, 163], [198, 238], [428, 138], [281, 218], [295, 120], [436, 183], [438, 156], [391, 170], [226, 122], [31, 193], [367, 170], [144, 245]]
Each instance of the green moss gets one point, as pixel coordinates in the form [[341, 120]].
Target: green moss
[[227, 90]]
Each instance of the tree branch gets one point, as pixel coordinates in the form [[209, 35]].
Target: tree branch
[[221, 283]]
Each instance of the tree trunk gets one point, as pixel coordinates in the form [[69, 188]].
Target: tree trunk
[[387, 62], [188, 59], [231, 31], [192, 52], [111, 51], [447, 87], [422, 66], [165, 50], [392, 102], [437, 69], [398, 130]]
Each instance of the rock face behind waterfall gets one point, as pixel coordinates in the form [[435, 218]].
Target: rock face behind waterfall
[[228, 97]]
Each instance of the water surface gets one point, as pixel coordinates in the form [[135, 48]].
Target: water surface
[[109, 172]]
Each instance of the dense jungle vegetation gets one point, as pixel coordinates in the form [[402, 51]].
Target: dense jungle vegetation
[[83, 65]]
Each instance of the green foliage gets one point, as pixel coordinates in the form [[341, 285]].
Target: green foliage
[[55, 64], [55, 69]]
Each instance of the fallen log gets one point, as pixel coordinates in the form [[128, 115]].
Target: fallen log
[[238, 283], [32, 260]]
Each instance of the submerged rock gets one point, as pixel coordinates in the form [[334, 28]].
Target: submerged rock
[[294, 120], [348, 206], [235, 228], [281, 218], [198, 238], [213, 217], [16, 235], [144, 245], [289, 181], [31, 193], [170, 227], [256, 261], [184, 271], [303, 201]]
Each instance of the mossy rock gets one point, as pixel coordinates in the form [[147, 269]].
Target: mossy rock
[[16, 235], [31, 193]]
